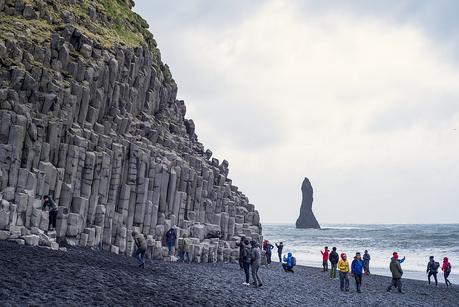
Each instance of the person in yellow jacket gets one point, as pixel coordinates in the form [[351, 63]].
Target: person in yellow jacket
[[343, 266]]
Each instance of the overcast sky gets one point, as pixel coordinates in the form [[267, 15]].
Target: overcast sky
[[361, 97]]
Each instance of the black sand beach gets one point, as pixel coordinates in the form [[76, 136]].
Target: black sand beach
[[82, 277]]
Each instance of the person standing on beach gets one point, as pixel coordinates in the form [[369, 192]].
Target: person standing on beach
[[446, 268], [141, 245], [325, 255], [255, 261], [397, 273], [357, 267], [241, 251], [184, 248], [246, 259], [343, 266], [280, 246], [268, 249], [171, 237], [366, 260], [334, 258], [49, 202], [432, 269]]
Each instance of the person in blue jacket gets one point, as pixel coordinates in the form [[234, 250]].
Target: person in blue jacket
[[171, 237], [289, 263], [357, 268]]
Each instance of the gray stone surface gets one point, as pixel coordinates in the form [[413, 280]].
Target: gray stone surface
[[102, 132]]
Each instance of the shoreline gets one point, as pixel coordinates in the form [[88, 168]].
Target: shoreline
[[81, 277]]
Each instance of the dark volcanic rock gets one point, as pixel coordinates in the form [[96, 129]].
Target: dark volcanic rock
[[307, 218]]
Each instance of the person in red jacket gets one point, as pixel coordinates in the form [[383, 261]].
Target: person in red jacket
[[446, 268], [325, 255]]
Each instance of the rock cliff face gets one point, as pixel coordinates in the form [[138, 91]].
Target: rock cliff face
[[307, 218], [89, 115]]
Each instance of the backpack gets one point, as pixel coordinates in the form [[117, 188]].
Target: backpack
[[435, 265], [448, 268], [293, 261]]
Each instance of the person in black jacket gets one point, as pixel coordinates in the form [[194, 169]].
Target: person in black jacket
[[240, 244], [246, 259], [334, 258], [49, 202], [280, 247], [432, 269]]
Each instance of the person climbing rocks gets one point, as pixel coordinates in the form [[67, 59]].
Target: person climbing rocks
[[289, 263], [357, 268], [432, 269], [343, 266], [52, 207], [240, 244], [268, 250], [255, 261], [171, 237], [280, 247], [246, 259], [141, 245], [446, 268], [325, 255], [334, 258], [397, 273], [184, 248], [366, 260]]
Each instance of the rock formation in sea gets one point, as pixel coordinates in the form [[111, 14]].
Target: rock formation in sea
[[307, 218], [89, 115]]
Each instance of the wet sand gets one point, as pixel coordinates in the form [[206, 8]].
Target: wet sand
[[34, 276]]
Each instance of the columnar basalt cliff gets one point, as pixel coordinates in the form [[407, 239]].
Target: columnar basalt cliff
[[89, 115], [307, 218]]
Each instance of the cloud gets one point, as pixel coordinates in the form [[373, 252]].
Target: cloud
[[362, 104]]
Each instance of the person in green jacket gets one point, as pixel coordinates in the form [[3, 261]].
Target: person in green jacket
[[397, 273]]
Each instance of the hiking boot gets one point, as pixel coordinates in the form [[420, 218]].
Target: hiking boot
[[358, 291]]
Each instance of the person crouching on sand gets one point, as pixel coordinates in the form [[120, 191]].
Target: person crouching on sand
[[343, 266], [357, 271], [289, 263], [141, 244], [246, 259], [366, 260], [255, 261], [446, 268], [325, 255], [397, 272], [334, 258]]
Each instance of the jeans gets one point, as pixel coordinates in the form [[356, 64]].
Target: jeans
[[256, 278], [280, 256], [140, 255], [287, 268], [170, 246], [325, 265], [397, 283], [358, 281], [435, 277], [52, 219], [367, 267], [268, 258], [246, 266], [333, 270], [447, 282], [344, 281], [185, 256]]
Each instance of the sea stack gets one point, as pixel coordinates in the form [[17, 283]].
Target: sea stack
[[307, 218]]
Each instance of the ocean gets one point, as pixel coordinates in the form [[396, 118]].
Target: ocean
[[416, 242]]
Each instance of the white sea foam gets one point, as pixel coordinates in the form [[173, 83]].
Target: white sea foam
[[416, 242]]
